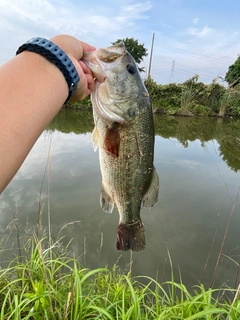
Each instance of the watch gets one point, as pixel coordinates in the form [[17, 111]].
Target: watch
[[57, 56]]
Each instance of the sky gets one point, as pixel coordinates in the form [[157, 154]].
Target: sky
[[190, 36]]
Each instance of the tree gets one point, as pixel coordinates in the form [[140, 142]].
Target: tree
[[137, 50], [233, 74]]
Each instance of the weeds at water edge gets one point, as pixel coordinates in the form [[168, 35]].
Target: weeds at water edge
[[54, 286]]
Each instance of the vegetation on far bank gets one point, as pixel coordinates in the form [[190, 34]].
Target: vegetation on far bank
[[194, 98], [190, 98]]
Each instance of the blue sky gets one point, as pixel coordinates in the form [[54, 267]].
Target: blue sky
[[191, 36]]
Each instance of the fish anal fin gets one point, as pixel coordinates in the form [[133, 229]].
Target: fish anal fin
[[106, 202], [131, 237], [112, 139], [95, 138], [150, 198]]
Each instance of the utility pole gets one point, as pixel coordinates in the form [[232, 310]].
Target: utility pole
[[172, 72], [150, 62]]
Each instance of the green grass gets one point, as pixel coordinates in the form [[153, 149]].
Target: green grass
[[49, 285]]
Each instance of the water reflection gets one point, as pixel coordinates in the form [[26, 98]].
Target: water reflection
[[72, 121], [224, 131], [197, 161]]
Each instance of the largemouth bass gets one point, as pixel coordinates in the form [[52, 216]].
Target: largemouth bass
[[124, 133]]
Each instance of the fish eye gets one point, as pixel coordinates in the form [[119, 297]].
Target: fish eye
[[131, 68]]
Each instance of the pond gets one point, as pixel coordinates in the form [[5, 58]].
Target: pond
[[198, 162]]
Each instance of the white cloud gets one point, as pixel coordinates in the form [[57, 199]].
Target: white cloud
[[195, 20], [199, 32], [190, 164], [63, 16], [136, 9], [100, 23]]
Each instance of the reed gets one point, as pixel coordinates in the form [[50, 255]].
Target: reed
[[224, 103], [186, 102]]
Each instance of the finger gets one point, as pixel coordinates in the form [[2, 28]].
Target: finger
[[87, 47], [90, 83], [72, 46], [85, 68]]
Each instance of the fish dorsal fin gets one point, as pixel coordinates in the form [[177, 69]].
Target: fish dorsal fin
[[95, 138], [106, 202], [150, 198]]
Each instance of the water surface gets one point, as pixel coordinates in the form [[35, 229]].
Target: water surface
[[198, 162]]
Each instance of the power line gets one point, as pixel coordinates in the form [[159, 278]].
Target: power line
[[188, 53]]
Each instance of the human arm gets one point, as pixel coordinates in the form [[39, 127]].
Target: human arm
[[32, 92]]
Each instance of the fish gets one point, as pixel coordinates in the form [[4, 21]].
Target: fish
[[124, 134]]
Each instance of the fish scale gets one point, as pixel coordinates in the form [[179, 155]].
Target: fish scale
[[124, 133]]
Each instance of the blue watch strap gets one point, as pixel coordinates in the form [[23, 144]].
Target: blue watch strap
[[57, 56]]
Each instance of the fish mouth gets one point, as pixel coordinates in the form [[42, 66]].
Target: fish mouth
[[112, 53], [101, 60], [107, 56]]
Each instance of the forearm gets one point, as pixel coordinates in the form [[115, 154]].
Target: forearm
[[32, 92]]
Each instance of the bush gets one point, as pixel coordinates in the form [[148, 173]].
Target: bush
[[194, 98]]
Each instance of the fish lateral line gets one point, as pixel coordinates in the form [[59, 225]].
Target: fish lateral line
[[140, 153]]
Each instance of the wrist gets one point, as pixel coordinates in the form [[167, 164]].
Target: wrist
[[52, 52]]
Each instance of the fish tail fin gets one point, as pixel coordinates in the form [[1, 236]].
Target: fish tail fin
[[131, 237]]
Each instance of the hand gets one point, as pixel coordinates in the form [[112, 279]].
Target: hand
[[74, 49]]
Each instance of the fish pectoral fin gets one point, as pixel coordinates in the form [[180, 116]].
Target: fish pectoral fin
[[106, 202], [95, 138], [112, 140], [150, 198]]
